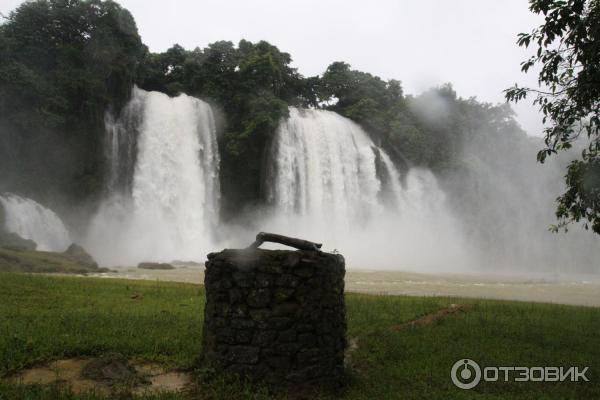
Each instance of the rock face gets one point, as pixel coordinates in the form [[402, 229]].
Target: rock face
[[277, 316]]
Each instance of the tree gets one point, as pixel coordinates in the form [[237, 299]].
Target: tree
[[63, 64], [378, 106], [567, 48]]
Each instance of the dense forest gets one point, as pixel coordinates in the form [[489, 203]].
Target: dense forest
[[65, 63]]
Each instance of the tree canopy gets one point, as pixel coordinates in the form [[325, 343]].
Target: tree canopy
[[63, 63], [567, 52]]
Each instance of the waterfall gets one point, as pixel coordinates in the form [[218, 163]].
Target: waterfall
[[323, 165], [121, 142], [168, 207], [326, 180], [31, 220]]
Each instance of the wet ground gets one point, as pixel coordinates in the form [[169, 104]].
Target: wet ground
[[583, 290], [69, 372]]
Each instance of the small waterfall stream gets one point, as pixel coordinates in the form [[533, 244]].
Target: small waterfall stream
[[31, 220]]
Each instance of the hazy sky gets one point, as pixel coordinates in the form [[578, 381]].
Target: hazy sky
[[422, 43]]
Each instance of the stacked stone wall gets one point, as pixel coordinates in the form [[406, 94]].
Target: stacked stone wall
[[277, 316]]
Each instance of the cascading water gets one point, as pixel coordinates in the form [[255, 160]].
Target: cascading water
[[31, 220], [121, 143], [323, 181], [169, 206], [323, 165]]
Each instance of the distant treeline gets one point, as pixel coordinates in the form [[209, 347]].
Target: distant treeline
[[65, 63]]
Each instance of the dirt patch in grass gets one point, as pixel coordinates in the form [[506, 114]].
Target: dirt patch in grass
[[105, 375], [429, 319], [111, 369]]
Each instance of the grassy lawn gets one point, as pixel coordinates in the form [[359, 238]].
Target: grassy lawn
[[44, 318]]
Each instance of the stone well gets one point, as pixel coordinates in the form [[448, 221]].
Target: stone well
[[277, 316]]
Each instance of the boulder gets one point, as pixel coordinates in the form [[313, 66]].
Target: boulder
[[19, 260], [13, 241], [155, 265], [78, 253], [189, 263]]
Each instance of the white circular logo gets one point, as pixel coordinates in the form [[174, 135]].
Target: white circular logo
[[465, 374]]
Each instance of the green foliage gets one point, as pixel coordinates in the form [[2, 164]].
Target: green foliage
[[375, 104], [63, 63], [567, 48], [581, 201], [428, 130], [440, 120]]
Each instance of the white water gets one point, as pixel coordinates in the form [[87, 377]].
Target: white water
[[172, 206], [323, 183], [121, 143], [323, 164], [31, 220]]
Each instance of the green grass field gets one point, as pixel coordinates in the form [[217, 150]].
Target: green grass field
[[44, 318]]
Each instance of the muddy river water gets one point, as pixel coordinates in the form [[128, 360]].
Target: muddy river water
[[582, 290]]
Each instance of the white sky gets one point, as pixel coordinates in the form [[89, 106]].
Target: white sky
[[422, 43]]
